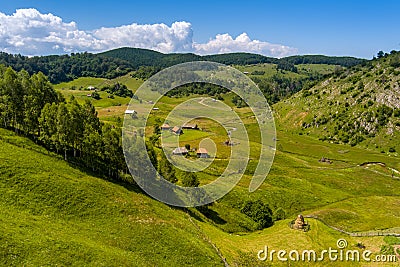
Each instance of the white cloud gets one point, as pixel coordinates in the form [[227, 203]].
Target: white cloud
[[30, 32], [158, 37], [224, 43]]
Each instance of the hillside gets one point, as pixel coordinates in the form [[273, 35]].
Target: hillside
[[321, 59], [117, 62], [62, 68], [57, 212], [144, 57], [358, 106], [54, 214]]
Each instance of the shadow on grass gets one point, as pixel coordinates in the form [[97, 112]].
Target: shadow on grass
[[212, 215]]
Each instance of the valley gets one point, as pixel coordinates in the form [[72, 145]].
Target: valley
[[61, 212]]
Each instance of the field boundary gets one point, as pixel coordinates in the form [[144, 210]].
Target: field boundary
[[368, 233]]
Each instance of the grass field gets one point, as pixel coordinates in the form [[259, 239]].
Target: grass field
[[109, 109], [54, 214]]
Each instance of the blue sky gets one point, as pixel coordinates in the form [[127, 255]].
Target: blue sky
[[355, 28]]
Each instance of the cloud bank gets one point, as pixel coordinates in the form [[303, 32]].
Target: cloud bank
[[30, 32]]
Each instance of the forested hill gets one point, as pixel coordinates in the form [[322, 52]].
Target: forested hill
[[62, 68], [142, 57], [321, 59], [358, 105], [113, 63]]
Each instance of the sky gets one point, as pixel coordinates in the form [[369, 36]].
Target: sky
[[272, 28]]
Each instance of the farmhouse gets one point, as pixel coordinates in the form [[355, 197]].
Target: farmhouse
[[180, 151], [202, 153], [190, 126], [165, 127], [177, 130], [131, 112]]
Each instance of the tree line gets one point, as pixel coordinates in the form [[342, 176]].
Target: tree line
[[65, 68], [30, 106], [117, 62]]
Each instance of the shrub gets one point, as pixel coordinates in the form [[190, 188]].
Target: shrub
[[258, 212], [96, 95]]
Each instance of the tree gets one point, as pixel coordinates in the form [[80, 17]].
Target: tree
[[166, 169], [259, 212], [113, 153], [77, 124], [48, 125], [380, 54], [190, 179], [151, 153], [64, 131], [96, 95], [12, 88]]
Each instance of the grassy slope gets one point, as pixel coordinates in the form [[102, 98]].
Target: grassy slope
[[299, 183], [351, 98], [53, 214], [346, 196]]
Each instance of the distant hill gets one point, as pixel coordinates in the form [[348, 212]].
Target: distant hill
[[321, 59], [144, 57], [68, 67], [117, 62], [359, 105]]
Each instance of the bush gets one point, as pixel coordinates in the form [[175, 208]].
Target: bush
[[96, 95], [258, 212], [190, 180]]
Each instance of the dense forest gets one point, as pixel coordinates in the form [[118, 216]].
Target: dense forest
[[320, 59], [117, 62], [68, 67], [275, 87]]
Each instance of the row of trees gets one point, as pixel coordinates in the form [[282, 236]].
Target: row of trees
[[30, 106]]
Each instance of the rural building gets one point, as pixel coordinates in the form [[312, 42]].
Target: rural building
[[177, 130], [165, 127], [180, 151], [131, 112], [202, 153], [190, 126]]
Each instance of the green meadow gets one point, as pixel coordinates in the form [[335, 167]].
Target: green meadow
[[56, 213]]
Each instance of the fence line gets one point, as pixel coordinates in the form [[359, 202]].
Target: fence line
[[369, 233]]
